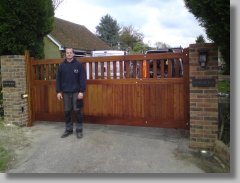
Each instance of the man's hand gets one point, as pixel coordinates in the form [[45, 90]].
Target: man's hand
[[59, 96], [80, 95]]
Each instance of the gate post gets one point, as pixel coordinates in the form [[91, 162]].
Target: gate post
[[14, 89], [203, 96]]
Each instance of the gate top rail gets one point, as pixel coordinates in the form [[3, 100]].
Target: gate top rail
[[140, 66], [137, 57], [113, 58]]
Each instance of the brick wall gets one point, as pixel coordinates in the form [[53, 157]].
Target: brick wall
[[15, 108], [203, 100]]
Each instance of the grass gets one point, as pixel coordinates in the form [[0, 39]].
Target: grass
[[5, 153], [223, 86], [6, 158], [12, 138], [224, 112]]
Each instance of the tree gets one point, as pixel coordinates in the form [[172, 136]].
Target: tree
[[161, 45], [129, 36], [56, 3], [214, 16], [108, 30], [200, 39], [23, 25], [140, 47]]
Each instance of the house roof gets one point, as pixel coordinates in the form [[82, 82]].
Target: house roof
[[76, 36]]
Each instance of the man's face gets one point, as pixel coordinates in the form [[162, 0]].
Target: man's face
[[69, 54]]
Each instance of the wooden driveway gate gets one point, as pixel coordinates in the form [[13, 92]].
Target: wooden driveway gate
[[142, 90]]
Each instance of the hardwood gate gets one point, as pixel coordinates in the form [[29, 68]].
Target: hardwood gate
[[144, 90]]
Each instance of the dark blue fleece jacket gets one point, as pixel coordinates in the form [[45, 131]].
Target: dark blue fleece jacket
[[71, 77]]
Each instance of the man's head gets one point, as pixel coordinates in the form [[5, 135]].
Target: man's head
[[69, 54]]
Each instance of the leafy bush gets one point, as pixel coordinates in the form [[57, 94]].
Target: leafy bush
[[23, 25], [223, 86]]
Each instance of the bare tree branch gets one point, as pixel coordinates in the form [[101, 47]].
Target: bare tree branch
[[56, 3]]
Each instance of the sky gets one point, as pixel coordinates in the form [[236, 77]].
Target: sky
[[166, 21]]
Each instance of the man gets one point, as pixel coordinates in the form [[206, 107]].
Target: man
[[70, 87]]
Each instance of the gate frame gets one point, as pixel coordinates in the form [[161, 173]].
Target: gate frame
[[184, 56]]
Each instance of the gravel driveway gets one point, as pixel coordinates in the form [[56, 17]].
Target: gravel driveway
[[109, 149]]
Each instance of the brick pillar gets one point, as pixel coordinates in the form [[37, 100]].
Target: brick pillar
[[203, 97], [13, 72]]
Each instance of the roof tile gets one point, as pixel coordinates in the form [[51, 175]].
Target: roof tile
[[76, 36]]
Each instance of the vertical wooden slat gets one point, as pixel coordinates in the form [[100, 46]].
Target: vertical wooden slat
[[169, 68], [99, 100], [120, 95], [28, 68], [96, 70], [37, 72], [57, 66], [147, 102], [34, 72], [141, 100], [131, 100], [162, 69], [41, 72], [186, 84], [52, 71], [144, 69], [127, 64], [177, 67], [114, 70], [154, 103], [140, 69], [154, 69], [46, 72], [134, 68], [102, 70], [90, 71], [108, 70], [137, 104], [121, 69], [170, 104], [147, 69]]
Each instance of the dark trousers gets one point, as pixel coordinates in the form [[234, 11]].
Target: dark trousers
[[71, 103]]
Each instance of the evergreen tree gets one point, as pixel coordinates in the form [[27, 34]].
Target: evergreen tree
[[108, 30], [200, 39], [214, 16], [23, 25]]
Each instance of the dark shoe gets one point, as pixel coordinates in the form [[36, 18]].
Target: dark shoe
[[79, 134], [66, 133]]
